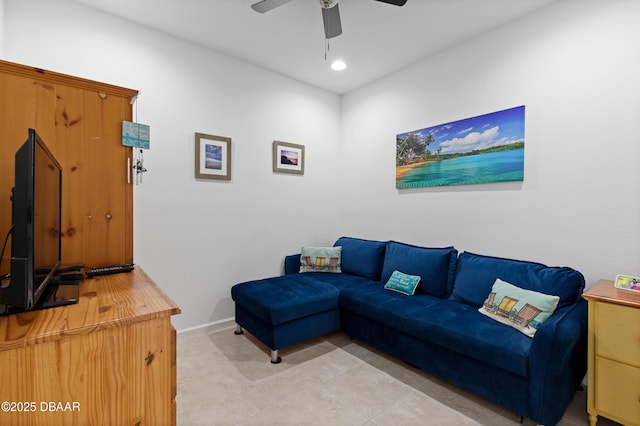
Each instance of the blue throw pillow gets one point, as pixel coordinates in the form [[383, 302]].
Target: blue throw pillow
[[436, 266], [361, 257], [402, 283], [521, 309], [476, 274]]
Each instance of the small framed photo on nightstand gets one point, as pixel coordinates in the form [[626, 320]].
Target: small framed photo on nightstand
[[627, 282]]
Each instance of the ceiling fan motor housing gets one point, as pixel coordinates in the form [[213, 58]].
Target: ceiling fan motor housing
[[328, 3]]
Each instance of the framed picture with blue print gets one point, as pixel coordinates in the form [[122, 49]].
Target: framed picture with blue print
[[213, 157]]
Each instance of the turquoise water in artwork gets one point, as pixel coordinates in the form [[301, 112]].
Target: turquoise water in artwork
[[501, 166]]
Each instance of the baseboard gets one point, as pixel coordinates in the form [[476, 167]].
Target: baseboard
[[207, 328]]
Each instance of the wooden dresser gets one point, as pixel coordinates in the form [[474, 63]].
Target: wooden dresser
[[614, 354], [110, 359]]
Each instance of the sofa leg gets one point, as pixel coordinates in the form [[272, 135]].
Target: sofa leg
[[238, 330], [275, 359]]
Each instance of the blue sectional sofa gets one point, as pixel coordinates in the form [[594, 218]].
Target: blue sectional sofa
[[439, 328]]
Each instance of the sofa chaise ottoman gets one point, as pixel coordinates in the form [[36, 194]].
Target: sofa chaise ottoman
[[285, 310]]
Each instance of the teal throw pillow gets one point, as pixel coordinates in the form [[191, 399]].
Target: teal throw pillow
[[320, 259], [402, 283], [521, 309]]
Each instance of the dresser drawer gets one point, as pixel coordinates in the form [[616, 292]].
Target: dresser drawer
[[618, 391], [618, 333]]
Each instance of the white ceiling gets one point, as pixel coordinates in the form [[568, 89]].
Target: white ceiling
[[377, 38]]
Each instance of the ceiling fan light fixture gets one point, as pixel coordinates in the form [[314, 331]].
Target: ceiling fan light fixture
[[338, 65]]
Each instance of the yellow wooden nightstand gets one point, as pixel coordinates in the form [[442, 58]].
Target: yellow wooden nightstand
[[614, 354]]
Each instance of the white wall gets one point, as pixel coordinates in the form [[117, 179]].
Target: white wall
[[197, 238], [1, 28], [574, 65]]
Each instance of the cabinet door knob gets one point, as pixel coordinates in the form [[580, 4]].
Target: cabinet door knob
[[108, 216]]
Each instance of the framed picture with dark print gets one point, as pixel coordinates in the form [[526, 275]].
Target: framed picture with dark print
[[213, 157], [288, 158]]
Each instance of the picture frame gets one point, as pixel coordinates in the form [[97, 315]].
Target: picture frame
[[627, 282], [288, 158], [213, 157], [487, 148]]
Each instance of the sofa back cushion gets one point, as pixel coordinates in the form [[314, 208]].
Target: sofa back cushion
[[476, 274], [434, 266], [361, 257]]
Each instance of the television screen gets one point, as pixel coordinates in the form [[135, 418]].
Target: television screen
[[36, 240], [46, 214]]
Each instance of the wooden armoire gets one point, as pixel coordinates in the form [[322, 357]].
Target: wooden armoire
[[111, 357], [80, 121]]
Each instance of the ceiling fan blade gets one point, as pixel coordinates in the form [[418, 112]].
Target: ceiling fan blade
[[266, 5], [394, 2], [331, 20]]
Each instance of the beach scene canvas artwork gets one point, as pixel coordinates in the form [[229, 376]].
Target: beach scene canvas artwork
[[484, 149]]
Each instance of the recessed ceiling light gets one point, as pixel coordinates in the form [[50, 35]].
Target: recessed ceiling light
[[338, 65]]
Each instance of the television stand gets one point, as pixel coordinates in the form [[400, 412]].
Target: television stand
[[56, 294], [113, 354], [60, 294]]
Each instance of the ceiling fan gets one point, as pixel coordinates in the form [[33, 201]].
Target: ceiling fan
[[330, 12]]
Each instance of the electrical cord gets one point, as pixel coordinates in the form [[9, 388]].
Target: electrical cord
[[4, 246]]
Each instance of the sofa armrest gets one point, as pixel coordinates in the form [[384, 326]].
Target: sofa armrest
[[292, 264], [558, 362]]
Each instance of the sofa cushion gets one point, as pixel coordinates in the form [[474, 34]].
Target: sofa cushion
[[402, 283], [435, 266], [361, 257], [524, 310], [387, 307], [461, 328], [320, 259], [280, 299], [476, 274], [342, 281]]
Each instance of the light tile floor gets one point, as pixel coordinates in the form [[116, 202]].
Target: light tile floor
[[224, 379]]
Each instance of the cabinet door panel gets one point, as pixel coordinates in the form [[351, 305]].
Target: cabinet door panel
[[107, 194], [618, 331], [618, 391], [24, 103], [81, 123], [114, 376], [69, 150]]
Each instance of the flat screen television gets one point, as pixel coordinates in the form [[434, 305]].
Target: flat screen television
[[36, 250]]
